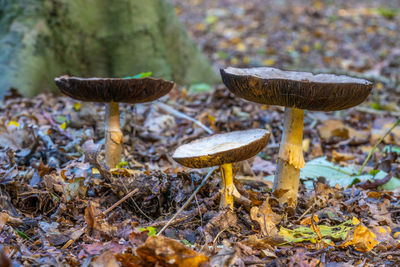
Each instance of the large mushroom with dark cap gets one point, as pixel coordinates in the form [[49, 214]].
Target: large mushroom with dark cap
[[296, 91], [223, 150], [112, 91]]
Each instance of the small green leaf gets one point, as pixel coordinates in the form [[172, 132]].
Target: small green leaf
[[21, 234], [199, 88], [389, 13], [374, 172], [376, 106], [186, 243], [152, 230], [61, 119], [222, 54], [140, 75], [121, 164]]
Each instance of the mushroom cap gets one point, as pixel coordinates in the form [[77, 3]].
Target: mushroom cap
[[114, 89], [222, 148], [302, 90]]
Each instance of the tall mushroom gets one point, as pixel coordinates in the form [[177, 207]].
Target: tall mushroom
[[223, 150], [113, 91], [295, 91]]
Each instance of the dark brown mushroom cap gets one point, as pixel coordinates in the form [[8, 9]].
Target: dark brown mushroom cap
[[223, 148], [114, 89], [302, 90]]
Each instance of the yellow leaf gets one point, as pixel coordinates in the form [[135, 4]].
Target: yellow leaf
[[355, 221], [396, 235], [269, 62], [246, 60], [16, 124], [234, 61], [305, 48], [63, 126], [241, 47], [379, 86], [77, 106], [363, 239], [307, 220]]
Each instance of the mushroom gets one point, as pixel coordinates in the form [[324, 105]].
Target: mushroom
[[223, 150], [112, 91], [295, 91]]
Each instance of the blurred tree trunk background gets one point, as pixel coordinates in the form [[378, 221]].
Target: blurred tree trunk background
[[42, 39]]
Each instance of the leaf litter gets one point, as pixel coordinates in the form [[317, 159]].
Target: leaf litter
[[55, 189]]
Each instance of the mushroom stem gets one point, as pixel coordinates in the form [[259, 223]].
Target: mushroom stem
[[290, 161], [229, 191], [114, 135]]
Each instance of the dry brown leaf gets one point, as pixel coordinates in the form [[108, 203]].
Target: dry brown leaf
[[3, 220], [380, 127], [333, 131], [341, 157], [266, 218], [107, 259], [226, 257], [263, 243], [97, 225], [168, 252]]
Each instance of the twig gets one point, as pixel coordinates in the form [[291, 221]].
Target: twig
[[134, 202], [188, 200], [304, 213], [377, 112], [120, 201], [183, 116], [376, 145]]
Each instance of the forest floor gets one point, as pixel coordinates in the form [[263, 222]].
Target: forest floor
[[55, 205]]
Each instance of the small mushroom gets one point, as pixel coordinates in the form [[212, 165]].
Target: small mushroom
[[295, 91], [223, 150], [112, 91]]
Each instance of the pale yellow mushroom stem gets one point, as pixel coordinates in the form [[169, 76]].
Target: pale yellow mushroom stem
[[229, 191], [114, 137], [290, 161]]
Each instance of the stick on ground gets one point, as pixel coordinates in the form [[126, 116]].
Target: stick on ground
[[183, 116], [121, 200], [188, 200]]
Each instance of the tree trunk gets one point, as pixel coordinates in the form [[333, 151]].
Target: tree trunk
[[42, 39]]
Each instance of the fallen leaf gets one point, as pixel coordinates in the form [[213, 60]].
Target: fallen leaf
[[380, 127], [107, 259], [168, 252], [266, 218], [334, 131], [3, 220], [225, 257], [362, 239], [341, 157]]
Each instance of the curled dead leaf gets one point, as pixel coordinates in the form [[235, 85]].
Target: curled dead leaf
[[333, 131], [266, 218], [362, 239], [168, 252]]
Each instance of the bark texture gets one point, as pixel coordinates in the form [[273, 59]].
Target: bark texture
[[43, 39]]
